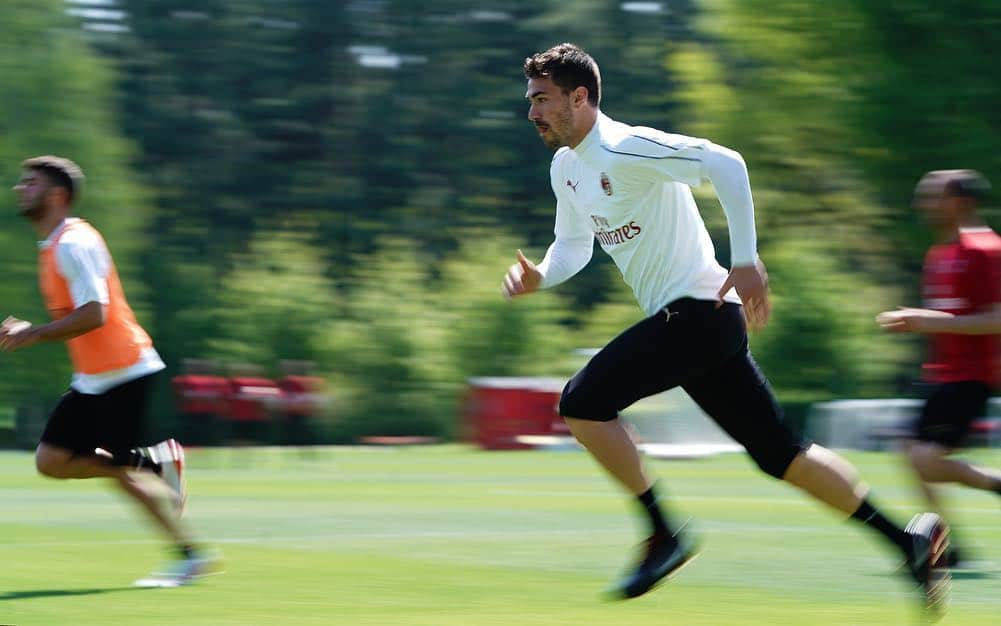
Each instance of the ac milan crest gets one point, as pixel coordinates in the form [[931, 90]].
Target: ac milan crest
[[606, 184]]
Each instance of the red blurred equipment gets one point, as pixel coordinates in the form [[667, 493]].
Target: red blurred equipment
[[200, 394], [252, 399], [506, 413]]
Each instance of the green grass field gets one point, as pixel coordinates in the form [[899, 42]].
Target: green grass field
[[449, 535]]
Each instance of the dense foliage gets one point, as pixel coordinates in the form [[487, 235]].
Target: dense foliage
[[346, 182]]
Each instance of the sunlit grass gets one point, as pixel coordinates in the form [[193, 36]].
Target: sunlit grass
[[448, 536]]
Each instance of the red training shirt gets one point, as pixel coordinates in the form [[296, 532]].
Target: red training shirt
[[964, 278]]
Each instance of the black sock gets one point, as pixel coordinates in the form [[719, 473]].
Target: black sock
[[137, 460], [648, 500], [185, 550], [997, 487], [875, 520]]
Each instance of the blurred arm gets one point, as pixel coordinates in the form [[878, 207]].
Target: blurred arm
[[929, 321], [564, 258], [84, 261], [726, 170], [572, 248], [80, 321]]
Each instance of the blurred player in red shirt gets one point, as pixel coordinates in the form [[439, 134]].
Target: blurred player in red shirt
[[961, 293]]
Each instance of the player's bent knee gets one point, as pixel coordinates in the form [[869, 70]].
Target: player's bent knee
[[47, 466], [775, 462], [49, 462], [573, 406], [923, 455], [773, 468]]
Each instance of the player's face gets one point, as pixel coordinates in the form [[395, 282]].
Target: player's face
[[936, 208], [549, 109], [31, 191]]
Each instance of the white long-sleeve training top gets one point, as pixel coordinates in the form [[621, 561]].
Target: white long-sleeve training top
[[629, 187]]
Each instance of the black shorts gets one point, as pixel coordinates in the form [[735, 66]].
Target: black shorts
[[704, 350], [950, 410], [112, 420]]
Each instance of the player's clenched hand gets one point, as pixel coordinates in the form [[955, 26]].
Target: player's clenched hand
[[522, 277], [14, 334], [751, 283]]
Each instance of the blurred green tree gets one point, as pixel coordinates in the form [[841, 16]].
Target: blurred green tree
[[370, 162], [275, 302]]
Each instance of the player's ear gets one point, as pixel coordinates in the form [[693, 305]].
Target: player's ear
[[59, 194], [580, 95]]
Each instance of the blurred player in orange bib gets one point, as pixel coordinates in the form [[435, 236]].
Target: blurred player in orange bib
[[95, 429]]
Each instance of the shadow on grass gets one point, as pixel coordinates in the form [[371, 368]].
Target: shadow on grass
[[957, 574], [56, 593], [962, 574]]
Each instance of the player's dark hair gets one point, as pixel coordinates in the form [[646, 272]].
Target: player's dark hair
[[60, 171], [569, 67], [967, 184]]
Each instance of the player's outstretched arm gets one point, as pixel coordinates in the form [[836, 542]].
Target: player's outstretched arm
[[929, 321], [16, 334], [522, 278]]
